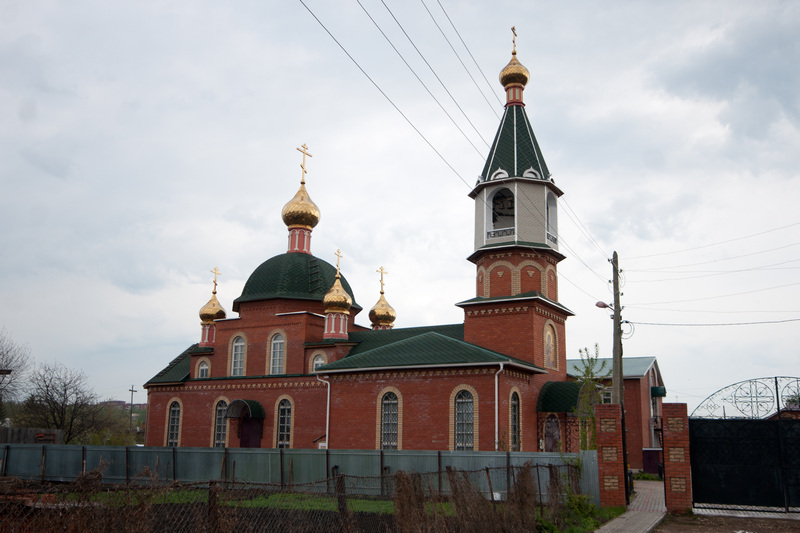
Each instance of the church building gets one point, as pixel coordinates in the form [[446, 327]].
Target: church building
[[294, 370]]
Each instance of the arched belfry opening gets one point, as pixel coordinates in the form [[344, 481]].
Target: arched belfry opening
[[552, 218], [503, 209]]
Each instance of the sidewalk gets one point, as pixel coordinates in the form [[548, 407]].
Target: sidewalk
[[645, 512]]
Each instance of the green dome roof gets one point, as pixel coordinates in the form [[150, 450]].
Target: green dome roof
[[292, 276]]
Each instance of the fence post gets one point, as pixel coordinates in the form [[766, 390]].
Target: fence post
[[127, 471], [213, 514], [174, 464], [44, 461], [280, 459], [381, 473], [341, 503], [508, 474], [677, 460], [439, 470]]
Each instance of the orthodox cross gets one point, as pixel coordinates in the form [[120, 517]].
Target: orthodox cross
[[216, 273], [338, 257], [305, 153], [382, 272], [513, 40]]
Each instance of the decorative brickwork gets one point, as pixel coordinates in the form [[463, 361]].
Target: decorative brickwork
[[609, 461], [677, 462]]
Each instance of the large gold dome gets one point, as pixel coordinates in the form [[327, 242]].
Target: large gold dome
[[514, 72], [301, 210]]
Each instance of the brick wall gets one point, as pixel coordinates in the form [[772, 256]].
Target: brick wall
[[610, 467], [677, 466]]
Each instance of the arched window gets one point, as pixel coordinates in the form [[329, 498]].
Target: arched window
[[284, 434], [514, 430], [237, 359], [202, 369], [464, 411], [503, 209], [552, 218], [389, 419], [174, 424], [277, 357], [319, 360], [220, 424]]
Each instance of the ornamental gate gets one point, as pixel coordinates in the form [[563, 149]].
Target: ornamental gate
[[746, 463]]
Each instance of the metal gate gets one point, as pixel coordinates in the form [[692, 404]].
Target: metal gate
[[746, 463]]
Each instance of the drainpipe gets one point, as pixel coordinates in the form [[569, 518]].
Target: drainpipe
[[497, 407], [327, 413]]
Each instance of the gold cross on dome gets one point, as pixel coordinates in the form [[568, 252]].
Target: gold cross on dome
[[303, 164], [382, 272], [338, 257], [216, 273], [514, 38]]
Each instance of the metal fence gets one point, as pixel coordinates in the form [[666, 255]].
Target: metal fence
[[286, 467]]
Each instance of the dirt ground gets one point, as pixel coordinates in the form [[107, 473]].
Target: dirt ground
[[729, 524]]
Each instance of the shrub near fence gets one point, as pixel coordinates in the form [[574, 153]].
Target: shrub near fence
[[279, 466]]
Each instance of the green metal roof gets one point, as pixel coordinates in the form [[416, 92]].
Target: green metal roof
[[522, 296], [559, 397], [371, 339], [515, 148], [177, 371], [292, 276], [632, 367], [426, 349]]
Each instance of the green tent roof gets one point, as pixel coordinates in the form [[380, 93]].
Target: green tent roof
[[426, 349], [515, 148], [559, 397], [292, 276]]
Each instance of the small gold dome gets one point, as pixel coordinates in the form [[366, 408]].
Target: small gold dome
[[337, 300], [382, 314], [212, 310], [301, 210], [514, 72]]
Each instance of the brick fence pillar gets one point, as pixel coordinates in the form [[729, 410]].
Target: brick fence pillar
[[677, 466], [610, 467]]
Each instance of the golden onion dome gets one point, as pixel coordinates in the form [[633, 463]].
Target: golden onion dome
[[514, 72], [301, 210], [382, 314], [336, 300], [212, 310]]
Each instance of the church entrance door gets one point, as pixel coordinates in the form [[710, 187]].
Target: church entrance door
[[250, 436]]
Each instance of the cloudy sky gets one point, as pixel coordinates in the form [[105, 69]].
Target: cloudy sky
[[145, 143]]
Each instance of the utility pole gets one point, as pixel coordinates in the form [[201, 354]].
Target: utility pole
[[132, 390], [617, 378]]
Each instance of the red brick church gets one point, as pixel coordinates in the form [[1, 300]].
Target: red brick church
[[294, 370]]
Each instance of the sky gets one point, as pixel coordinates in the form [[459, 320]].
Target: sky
[[145, 143]]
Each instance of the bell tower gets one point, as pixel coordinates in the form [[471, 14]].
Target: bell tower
[[516, 241]]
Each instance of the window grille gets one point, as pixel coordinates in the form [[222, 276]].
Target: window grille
[[515, 433], [202, 371], [389, 419], [173, 427], [284, 424], [276, 361], [220, 424], [237, 362], [464, 421]]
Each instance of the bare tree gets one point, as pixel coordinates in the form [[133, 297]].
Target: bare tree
[[14, 363], [60, 398]]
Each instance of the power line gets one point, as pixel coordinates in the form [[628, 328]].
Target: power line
[[459, 58], [719, 272], [761, 252], [420, 80], [715, 243], [384, 94], [716, 325], [491, 89], [720, 296]]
